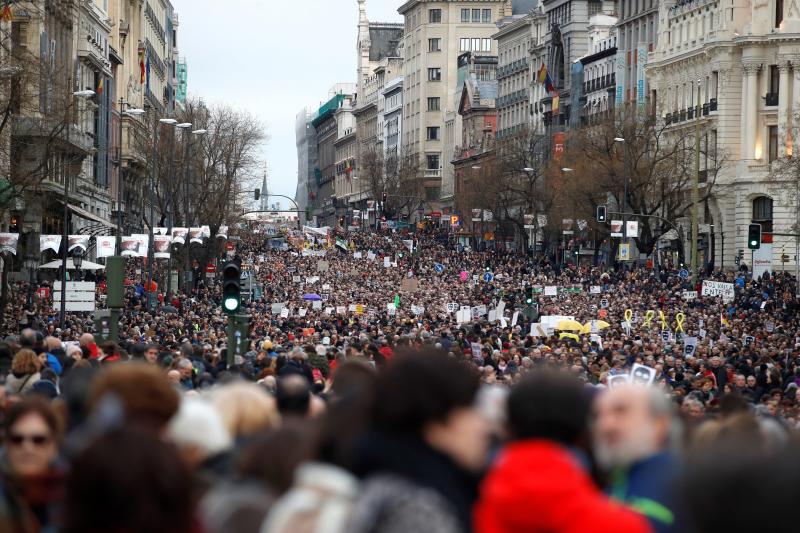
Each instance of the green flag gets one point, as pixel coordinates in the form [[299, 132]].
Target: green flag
[[396, 301]]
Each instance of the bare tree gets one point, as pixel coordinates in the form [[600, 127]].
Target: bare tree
[[641, 166]]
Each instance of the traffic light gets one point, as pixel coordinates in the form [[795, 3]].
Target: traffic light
[[754, 236], [231, 288], [528, 295], [385, 196], [257, 194], [601, 213]]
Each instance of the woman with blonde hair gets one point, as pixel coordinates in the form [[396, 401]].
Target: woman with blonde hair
[[246, 409], [24, 372]]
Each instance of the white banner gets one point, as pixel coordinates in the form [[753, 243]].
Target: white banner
[[105, 245], [179, 235], [222, 232], [161, 245], [49, 242], [9, 241], [616, 228], [762, 260], [76, 241], [196, 235], [131, 246], [632, 229], [718, 288]]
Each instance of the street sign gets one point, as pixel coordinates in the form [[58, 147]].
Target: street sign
[[683, 274], [439, 268], [80, 296], [488, 277]]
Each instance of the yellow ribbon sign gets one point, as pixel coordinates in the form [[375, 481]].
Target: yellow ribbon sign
[[648, 318], [680, 318], [663, 320], [628, 315]]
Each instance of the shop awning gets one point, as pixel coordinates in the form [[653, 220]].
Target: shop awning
[[90, 216]]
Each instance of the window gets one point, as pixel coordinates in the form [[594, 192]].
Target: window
[[487, 15], [434, 45], [465, 15], [762, 213], [486, 45], [778, 13], [433, 161], [434, 74], [595, 7], [431, 194], [773, 143], [433, 133], [463, 45], [774, 80], [434, 16], [476, 15], [475, 45], [433, 103]]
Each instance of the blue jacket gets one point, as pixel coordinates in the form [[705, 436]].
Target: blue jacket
[[52, 362], [649, 487]]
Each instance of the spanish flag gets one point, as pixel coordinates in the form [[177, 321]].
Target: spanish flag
[[100, 87], [723, 320], [141, 66], [548, 83], [540, 77], [555, 103], [6, 15]]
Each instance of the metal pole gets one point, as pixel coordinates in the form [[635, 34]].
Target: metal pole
[[696, 187], [119, 181], [170, 211], [186, 139], [65, 232], [150, 258], [722, 252]]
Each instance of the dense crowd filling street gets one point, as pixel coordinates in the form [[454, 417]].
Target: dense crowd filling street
[[396, 383]]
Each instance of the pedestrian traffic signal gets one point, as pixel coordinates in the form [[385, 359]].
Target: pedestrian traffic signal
[[385, 196], [528, 295], [231, 288], [754, 236], [257, 194], [601, 213]]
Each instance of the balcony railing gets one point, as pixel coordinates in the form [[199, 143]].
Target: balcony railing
[[771, 99], [433, 173]]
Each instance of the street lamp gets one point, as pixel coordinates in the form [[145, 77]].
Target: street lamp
[[566, 169], [131, 112], [619, 140], [77, 262], [85, 94], [199, 132], [169, 121], [527, 169]]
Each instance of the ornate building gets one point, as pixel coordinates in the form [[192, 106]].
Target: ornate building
[[743, 65]]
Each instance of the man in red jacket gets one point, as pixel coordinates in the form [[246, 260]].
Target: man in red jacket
[[540, 481]]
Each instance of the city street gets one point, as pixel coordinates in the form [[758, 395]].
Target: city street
[[504, 266]]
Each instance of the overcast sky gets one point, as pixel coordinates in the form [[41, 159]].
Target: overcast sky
[[273, 61]]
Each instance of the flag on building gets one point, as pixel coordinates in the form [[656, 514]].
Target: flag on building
[[555, 103], [7, 14], [147, 70], [141, 66], [548, 83], [542, 73], [100, 87]]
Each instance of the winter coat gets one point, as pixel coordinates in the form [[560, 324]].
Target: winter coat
[[20, 384], [411, 487], [321, 499], [539, 486]]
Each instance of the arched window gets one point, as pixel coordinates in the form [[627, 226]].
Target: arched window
[[762, 213]]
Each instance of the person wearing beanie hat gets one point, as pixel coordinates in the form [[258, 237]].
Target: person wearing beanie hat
[[45, 389]]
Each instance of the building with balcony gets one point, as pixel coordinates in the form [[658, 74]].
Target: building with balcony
[[599, 70], [306, 142], [322, 191], [514, 73], [437, 32], [735, 72], [637, 34]]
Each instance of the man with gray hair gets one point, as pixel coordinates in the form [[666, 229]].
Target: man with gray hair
[[635, 432]]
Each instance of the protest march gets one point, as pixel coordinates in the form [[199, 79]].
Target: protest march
[[404, 382]]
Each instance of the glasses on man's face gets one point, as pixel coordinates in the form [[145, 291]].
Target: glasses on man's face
[[17, 439]]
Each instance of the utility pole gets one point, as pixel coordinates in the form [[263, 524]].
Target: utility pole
[[696, 186]]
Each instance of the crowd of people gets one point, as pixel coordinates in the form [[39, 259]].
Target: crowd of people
[[404, 383]]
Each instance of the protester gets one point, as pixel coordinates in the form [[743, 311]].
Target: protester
[[635, 435], [541, 481]]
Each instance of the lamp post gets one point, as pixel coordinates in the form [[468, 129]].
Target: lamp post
[[150, 258], [84, 94], [184, 127], [564, 170], [696, 187], [77, 262], [170, 122], [131, 112], [31, 264]]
